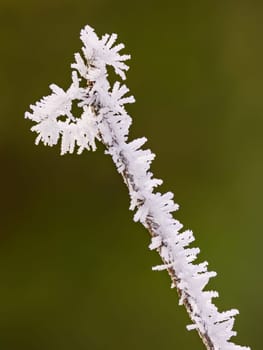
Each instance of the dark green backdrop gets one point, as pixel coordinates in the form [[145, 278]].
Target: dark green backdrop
[[75, 271]]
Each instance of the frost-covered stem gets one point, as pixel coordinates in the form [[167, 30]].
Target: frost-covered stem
[[105, 118], [151, 225]]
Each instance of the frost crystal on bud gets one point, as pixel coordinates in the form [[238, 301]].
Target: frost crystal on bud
[[104, 118]]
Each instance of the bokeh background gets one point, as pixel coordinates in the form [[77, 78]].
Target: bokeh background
[[75, 270]]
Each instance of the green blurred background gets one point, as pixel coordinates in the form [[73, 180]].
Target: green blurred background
[[75, 270]]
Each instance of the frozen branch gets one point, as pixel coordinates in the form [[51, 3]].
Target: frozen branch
[[104, 118]]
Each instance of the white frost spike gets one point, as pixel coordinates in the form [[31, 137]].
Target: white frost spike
[[48, 132], [103, 52], [81, 133], [104, 118], [52, 106], [162, 267], [118, 93], [88, 130], [80, 66], [191, 327], [185, 238], [201, 267], [141, 213], [155, 243]]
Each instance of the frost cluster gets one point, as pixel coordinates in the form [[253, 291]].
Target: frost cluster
[[104, 118]]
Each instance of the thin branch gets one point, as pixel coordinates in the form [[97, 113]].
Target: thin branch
[[152, 226], [104, 118]]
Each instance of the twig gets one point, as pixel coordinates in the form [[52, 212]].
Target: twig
[[104, 118]]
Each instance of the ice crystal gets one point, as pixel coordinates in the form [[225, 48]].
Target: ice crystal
[[104, 118]]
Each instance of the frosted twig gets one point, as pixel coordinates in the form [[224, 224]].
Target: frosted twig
[[104, 118]]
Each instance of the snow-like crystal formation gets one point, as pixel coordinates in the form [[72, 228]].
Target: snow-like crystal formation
[[104, 118]]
